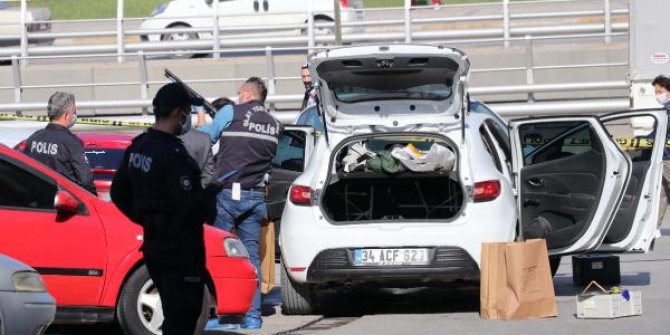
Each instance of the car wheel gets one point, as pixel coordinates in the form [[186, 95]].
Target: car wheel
[[177, 37], [554, 263], [140, 311], [297, 299], [321, 31]]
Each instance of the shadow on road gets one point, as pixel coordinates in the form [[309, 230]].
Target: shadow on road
[[360, 302]]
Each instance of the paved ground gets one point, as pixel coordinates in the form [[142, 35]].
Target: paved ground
[[455, 310]]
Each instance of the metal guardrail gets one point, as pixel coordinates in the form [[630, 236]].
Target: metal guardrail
[[143, 101], [508, 25], [505, 35]]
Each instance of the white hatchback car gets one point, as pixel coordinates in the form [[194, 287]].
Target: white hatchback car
[[356, 216], [241, 14]]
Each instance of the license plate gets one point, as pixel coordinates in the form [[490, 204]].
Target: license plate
[[390, 257]]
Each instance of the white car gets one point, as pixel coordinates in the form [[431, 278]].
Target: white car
[[25, 305], [242, 14], [38, 20], [563, 178]]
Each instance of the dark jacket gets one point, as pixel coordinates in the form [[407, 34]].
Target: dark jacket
[[157, 186], [310, 98], [200, 148], [248, 145], [61, 150], [666, 150]]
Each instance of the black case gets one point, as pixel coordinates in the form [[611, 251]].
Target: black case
[[602, 268]]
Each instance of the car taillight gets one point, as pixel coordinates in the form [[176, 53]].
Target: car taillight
[[487, 190], [300, 195], [21, 146], [344, 3]]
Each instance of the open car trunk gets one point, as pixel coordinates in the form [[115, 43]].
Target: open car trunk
[[368, 183]]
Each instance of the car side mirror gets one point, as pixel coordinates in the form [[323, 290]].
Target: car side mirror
[[66, 202]]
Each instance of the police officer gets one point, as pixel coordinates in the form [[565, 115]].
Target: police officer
[[248, 142], [57, 147], [158, 186]]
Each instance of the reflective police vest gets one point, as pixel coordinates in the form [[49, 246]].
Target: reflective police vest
[[248, 145]]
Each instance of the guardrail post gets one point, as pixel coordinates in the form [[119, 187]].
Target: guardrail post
[[608, 21], [120, 38], [216, 30], [530, 74], [270, 65], [17, 82], [408, 21], [338, 23], [23, 21], [506, 29], [144, 78], [310, 26]]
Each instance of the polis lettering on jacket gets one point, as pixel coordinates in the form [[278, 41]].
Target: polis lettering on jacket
[[44, 148], [139, 162], [262, 128]]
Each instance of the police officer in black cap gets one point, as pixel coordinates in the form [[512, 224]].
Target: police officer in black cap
[[158, 186]]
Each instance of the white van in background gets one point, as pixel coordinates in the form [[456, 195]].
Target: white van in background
[[245, 14]]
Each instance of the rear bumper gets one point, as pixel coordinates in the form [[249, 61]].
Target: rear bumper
[[234, 282], [447, 264]]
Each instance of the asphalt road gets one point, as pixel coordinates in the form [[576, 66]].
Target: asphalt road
[[455, 310]]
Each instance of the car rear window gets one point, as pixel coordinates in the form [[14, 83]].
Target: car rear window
[[104, 159], [405, 78], [420, 92]]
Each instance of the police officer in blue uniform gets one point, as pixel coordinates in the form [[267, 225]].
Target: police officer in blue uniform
[[158, 186], [248, 142], [57, 147]]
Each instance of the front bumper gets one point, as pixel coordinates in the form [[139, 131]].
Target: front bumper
[[26, 312], [447, 264], [235, 283]]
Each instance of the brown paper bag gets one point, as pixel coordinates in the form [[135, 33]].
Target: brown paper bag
[[267, 251], [516, 281]]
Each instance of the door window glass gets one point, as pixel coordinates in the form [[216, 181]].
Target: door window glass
[[23, 189], [290, 151], [544, 142], [634, 135], [104, 159]]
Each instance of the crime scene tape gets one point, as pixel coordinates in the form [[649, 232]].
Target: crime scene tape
[[81, 120], [627, 142]]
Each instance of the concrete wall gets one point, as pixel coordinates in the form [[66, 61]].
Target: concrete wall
[[492, 56]]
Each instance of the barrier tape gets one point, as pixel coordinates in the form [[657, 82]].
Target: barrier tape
[[82, 120], [627, 142]]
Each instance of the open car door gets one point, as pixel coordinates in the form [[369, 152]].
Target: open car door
[[293, 151], [637, 219], [570, 178]]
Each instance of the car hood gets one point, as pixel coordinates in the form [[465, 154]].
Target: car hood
[[389, 88]]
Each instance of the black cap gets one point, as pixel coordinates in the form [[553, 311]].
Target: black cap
[[171, 96]]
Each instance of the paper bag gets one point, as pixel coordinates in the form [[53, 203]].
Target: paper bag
[[267, 253], [516, 281]]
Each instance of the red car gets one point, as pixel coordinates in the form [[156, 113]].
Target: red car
[[87, 251], [104, 153]]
